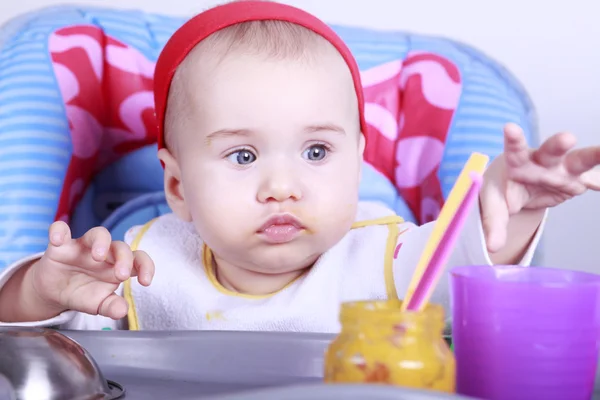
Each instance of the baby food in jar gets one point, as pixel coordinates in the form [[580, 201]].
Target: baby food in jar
[[379, 343]]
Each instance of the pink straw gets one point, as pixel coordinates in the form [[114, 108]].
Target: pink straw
[[444, 249]]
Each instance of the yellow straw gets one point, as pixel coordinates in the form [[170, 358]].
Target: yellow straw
[[476, 163]]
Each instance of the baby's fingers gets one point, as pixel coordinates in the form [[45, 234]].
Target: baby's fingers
[[98, 241], [582, 160], [59, 233], [114, 307], [552, 152], [143, 267], [516, 150], [122, 258]]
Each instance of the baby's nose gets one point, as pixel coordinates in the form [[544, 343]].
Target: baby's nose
[[279, 185]]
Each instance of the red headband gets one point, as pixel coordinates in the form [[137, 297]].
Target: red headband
[[215, 19]]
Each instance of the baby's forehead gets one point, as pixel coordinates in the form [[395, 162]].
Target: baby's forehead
[[268, 41], [217, 60]]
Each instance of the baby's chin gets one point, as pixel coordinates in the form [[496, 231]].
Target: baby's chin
[[284, 259]]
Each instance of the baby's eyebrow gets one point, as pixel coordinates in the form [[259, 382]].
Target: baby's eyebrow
[[224, 133], [228, 133], [325, 127]]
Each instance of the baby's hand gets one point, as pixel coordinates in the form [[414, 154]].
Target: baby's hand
[[533, 179], [83, 274]]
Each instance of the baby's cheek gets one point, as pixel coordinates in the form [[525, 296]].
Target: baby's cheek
[[337, 219], [219, 229]]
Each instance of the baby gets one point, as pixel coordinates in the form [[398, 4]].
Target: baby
[[261, 123]]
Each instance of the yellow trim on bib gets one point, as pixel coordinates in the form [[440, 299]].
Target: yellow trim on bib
[[388, 263], [132, 315], [391, 219], [392, 222]]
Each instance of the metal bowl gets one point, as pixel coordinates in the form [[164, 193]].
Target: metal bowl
[[43, 364]]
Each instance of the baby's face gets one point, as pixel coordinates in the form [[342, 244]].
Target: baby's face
[[270, 154]]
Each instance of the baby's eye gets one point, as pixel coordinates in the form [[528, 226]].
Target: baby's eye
[[315, 152], [242, 157]]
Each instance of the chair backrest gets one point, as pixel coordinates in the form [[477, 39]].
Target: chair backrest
[[77, 132]]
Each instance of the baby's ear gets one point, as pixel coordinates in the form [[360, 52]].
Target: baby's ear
[[361, 144], [173, 187], [361, 154]]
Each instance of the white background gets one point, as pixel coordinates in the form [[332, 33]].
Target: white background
[[553, 47]]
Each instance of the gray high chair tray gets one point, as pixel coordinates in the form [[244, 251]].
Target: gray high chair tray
[[225, 366]]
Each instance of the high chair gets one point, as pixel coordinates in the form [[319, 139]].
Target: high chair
[[78, 138]]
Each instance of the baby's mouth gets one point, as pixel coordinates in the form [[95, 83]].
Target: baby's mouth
[[281, 228]]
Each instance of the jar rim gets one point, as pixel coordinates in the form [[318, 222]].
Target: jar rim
[[389, 309]]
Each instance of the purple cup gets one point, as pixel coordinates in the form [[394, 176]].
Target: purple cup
[[525, 332]]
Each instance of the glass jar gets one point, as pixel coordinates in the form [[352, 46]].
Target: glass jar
[[379, 343]]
